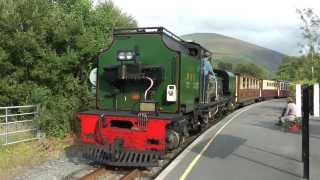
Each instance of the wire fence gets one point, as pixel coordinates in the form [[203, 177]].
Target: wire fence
[[17, 124]]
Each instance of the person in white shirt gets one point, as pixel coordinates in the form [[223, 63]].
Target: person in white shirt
[[290, 112]]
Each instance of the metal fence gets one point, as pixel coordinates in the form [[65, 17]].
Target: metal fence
[[17, 124]]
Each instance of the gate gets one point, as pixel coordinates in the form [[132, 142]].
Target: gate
[[17, 124]]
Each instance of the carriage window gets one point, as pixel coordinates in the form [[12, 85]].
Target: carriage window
[[244, 82]]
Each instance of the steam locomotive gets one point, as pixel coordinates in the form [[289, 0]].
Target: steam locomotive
[[154, 88]]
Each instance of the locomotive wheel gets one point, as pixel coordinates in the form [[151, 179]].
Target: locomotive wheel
[[205, 122], [173, 139]]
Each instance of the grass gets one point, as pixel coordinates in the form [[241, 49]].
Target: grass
[[17, 136], [15, 159]]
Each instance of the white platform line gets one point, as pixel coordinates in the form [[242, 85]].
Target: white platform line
[[178, 159]]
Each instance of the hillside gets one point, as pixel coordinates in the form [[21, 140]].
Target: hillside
[[237, 51]]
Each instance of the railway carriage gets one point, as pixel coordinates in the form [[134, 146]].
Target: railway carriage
[[269, 89], [283, 89], [248, 89]]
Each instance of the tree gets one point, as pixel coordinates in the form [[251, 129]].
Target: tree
[[47, 49], [311, 33], [225, 66], [304, 69], [252, 70]]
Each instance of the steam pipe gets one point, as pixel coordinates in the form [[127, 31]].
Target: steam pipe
[[147, 90]]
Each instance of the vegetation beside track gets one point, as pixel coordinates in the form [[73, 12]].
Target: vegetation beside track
[[15, 159], [47, 49]]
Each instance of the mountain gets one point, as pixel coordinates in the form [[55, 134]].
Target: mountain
[[236, 51]]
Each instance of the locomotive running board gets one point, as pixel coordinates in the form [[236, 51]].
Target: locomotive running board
[[103, 155]]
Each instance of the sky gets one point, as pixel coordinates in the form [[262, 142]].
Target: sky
[[273, 24]]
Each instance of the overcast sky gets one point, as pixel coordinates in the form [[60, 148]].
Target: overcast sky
[[270, 23]]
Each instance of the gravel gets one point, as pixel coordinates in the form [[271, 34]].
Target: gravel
[[62, 168], [53, 170]]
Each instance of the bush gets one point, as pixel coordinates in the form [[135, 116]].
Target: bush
[[47, 49]]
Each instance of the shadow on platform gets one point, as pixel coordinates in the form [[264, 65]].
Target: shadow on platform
[[221, 147]]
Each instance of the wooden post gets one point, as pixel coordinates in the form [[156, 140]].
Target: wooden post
[[316, 100], [298, 99]]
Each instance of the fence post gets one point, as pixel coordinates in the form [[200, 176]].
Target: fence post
[[38, 135], [6, 126]]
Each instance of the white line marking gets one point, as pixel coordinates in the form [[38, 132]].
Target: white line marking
[[178, 159], [197, 158]]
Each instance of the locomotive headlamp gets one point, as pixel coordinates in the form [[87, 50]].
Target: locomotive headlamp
[[129, 55], [122, 56], [126, 55]]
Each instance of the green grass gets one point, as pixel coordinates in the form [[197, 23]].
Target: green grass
[[15, 159]]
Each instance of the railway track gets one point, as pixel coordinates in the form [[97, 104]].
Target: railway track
[[96, 174], [103, 173]]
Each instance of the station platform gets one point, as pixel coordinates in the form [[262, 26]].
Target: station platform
[[247, 145]]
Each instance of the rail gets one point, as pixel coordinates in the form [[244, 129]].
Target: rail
[[134, 174], [17, 124]]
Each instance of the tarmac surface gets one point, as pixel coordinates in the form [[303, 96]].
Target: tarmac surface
[[246, 145]]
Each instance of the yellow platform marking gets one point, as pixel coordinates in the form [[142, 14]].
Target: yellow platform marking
[[196, 159]]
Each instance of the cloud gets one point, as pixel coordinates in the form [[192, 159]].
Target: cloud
[[272, 23]]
